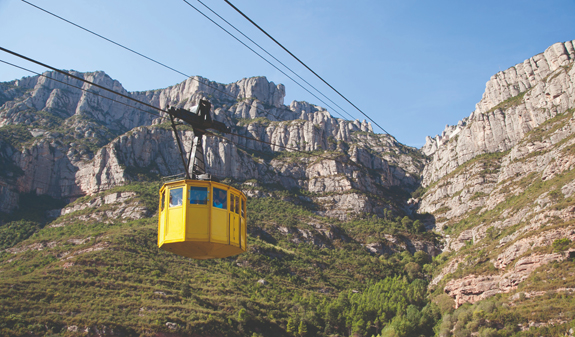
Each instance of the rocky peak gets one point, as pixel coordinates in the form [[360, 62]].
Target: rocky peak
[[515, 102], [524, 76], [450, 131], [79, 143]]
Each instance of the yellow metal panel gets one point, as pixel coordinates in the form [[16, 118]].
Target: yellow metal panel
[[175, 224], [202, 250], [244, 226], [161, 218], [235, 230], [198, 223], [219, 228]]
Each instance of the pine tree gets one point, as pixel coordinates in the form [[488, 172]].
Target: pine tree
[[185, 290], [291, 326], [302, 329]]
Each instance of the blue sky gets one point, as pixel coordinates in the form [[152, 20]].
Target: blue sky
[[413, 66]]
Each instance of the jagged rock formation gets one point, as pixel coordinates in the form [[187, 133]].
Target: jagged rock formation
[[515, 101], [77, 142], [500, 183]]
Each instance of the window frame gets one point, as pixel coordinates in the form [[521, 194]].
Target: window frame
[[225, 202], [207, 196], [181, 189]]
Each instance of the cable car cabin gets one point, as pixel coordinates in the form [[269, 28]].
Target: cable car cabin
[[202, 219]]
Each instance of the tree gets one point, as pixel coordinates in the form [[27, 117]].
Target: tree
[[185, 290], [413, 269], [302, 329], [242, 315], [407, 223], [421, 257], [418, 227], [291, 327], [358, 327]]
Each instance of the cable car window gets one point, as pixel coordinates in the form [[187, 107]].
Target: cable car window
[[198, 195], [237, 208], [163, 203], [243, 208], [220, 198], [176, 197]]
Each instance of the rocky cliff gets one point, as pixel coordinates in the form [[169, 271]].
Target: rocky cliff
[[515, 102], [500, 187], [73, 140]]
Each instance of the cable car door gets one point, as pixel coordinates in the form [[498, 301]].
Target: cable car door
[[175, 220], [162, 222], [235, 219], [198, 217], [243, 224], [220, 225]]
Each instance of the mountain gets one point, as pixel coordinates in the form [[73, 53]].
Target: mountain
[[71, 142], [327, 224], [500, 187], [354, 234]]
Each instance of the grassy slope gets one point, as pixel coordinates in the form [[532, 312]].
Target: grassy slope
[[106, 273]]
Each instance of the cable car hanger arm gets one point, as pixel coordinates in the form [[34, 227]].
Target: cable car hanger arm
[[199, 118]]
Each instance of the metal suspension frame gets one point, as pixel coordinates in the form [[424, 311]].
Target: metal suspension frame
[[200, 120]]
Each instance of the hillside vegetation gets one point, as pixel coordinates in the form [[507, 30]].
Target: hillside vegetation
[[107, 276]]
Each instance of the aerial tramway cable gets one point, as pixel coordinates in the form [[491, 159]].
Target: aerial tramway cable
[[263, 58], [80, 88], [300, 61], [280, 62], [186, 75]]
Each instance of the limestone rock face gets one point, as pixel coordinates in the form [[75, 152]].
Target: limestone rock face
[[515, 102], [64, 97], [499, 183], [81, 143], [473, 288], [8, 198], [8, 174]]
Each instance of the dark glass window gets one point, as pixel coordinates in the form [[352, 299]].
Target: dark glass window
[[237, 205], [163, 203], [220, 198], [176, 196], [198, 195], [243, 208]]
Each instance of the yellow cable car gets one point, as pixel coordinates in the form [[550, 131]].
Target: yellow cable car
[[200, 217]]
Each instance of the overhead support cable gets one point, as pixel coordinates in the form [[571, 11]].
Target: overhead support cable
[[300, 61], [135, 52], [263, 58], [280, 62], [119, 94], [158, 62], [105, 38], [79, 78]]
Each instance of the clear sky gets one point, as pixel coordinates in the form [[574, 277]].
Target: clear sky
[[413, 66]]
